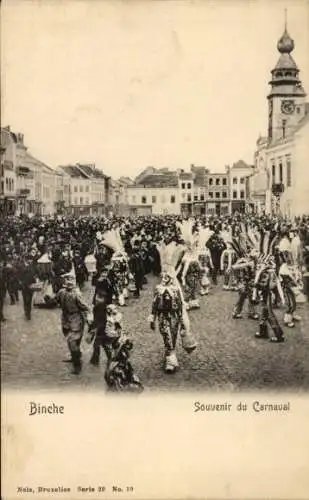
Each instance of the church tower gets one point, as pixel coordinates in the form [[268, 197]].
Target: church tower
[[287, 98]]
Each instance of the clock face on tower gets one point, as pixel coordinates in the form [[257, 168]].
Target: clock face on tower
[[287, 107]]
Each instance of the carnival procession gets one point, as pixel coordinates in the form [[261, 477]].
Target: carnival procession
[[48, 263], [164, 278]]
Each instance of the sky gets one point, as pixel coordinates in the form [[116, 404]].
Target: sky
[[137, 83]]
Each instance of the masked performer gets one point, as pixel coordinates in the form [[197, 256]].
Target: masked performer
[[265, 282], [190, 268], [228, 259], [119, 374], [119, 264], [205, 260], [169, 310], [290, 280], [244, 270]]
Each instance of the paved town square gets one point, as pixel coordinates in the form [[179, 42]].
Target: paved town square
[[228, 357]]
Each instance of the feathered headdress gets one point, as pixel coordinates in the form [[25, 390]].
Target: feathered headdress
[[170, 255], [186, 233], [112, 240], [203, 236]]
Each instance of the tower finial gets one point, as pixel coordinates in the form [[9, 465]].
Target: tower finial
[[285, 18]]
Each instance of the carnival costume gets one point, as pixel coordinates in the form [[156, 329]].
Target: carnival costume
[[265, 282], [246, 247], [205, 260], [168, 308], [119, 374], [119, 264], [190, 267], [228, 259], [291, 281]]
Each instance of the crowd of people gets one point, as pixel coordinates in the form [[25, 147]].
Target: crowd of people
[[48, 260]]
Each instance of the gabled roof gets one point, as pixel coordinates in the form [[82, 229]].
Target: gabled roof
[[73, 171], [241, 164], [159, 180], [28, 156]]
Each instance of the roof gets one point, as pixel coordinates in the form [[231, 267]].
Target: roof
[[91, 171], [285, 61], [72, 171], [241, 164], [28, 156], [159, 180], [185, 176]]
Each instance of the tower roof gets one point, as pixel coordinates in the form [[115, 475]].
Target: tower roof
[[285, 44]]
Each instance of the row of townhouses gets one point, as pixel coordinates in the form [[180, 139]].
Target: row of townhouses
[[277, 182]]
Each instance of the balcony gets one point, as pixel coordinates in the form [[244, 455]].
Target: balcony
[[277, 189], [23, 193], [24, 172]]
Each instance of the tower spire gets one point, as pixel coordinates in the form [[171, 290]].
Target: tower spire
[[285, 19]]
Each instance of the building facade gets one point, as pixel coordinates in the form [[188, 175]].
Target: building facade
[[88, 189], [283, 154], [8, 172]]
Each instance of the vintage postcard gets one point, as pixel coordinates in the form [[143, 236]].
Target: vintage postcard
[[154, 249]]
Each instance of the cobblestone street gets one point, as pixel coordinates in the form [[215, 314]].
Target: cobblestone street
[[228, 356]]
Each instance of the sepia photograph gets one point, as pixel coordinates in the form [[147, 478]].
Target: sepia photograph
[[154, 213]]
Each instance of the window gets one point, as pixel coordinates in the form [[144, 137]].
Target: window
[[183, 186], [280, 172], [224, 181], [195, 197], [273, 173], [81, 188], [211, 181], [242, 180], [217, 182], [234, 180], [154, 199], [81, 200], [242, 194], [189, 197], [202, 197], [183, 196], [218, 194], [144, 200], [234, 194], [87, 189], [224, 194], [288, 172], [189, 185], [172, 199], [211, 195], [75, 189]]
